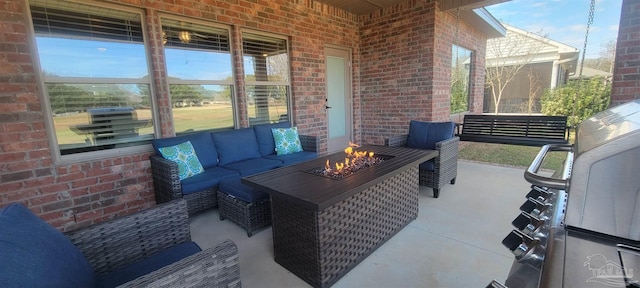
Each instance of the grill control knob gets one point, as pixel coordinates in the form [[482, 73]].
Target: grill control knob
[[522, 246], [536, 208], [530, 225], [540, 194]]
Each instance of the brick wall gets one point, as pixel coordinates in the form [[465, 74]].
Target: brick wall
[[626, 74], [405, 73], [399, 73]]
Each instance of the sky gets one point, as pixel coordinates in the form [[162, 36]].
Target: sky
[[564, 21]]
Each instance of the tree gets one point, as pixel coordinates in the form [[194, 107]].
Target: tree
[[506, 56], [460, 77], [578, 101], [534, 89], [606, 59]]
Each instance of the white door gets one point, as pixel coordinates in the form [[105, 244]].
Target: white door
[[338, 99]]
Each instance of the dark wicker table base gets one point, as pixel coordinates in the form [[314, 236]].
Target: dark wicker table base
[[249, 216], [321, 247]]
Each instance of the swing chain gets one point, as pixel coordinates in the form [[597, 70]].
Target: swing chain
[[586, 36]]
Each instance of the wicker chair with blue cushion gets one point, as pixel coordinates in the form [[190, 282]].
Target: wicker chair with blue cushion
[[439, 136], [151, 248]]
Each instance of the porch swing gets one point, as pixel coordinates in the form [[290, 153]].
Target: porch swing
[[522, 129]]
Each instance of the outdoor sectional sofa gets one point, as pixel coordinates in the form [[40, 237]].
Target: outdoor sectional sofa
[[224, 156], [150, 248]]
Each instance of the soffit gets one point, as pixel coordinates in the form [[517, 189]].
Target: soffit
[[360, 7]]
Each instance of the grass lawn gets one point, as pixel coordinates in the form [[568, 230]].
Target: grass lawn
[[185, 119], [512, 155]]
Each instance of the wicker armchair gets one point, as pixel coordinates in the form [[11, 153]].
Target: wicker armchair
[[445, 164], [113, 244], [166, 181]]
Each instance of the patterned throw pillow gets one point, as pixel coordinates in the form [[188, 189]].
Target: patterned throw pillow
[[287, 140], [186, 158]]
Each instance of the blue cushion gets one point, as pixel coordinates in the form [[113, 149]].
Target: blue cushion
[[148, 265], [253, 166], [236, 145], [425, 135], [202, 144], [427, 165], [243, 192], [264, 136], [293, 158], [209, 178], [34, 254]]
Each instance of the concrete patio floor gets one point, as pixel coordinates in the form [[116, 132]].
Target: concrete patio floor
[[455, 242]]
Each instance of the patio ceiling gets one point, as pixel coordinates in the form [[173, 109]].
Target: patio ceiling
[[366, 6]]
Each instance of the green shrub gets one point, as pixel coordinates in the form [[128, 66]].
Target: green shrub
[[577, 101]]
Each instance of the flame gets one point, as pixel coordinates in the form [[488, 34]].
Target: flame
[[350, 160], [348, 150]]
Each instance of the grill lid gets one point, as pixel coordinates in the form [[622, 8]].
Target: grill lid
[[604, 188], [607, 126]]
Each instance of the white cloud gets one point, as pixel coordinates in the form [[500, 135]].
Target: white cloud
[[613, 28], [578, 27]]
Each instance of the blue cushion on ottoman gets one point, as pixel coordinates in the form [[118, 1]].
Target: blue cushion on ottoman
[[210, 178], [243, 192], [34, 254], [253, 166], [148, 265], [264, 136], [294, 158]]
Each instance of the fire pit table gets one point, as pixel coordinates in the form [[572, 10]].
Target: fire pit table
[[323, 226]]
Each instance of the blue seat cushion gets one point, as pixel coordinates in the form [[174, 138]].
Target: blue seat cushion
[[427, 165], [253, 166], [148, 265], [236, 145], [425, 135], [241, 191], [294, 158], [35, 254], [264, 136], [202, 143], [211, 177]]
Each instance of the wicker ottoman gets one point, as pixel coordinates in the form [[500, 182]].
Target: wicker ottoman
[[249, 208]]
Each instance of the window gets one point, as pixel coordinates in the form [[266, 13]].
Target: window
[[460, 78], [266, 68], [200, 72], [95, 70]]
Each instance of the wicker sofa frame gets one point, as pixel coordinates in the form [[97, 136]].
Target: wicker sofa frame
[[249, 216], [166, 181], [445, 164], [116, 243]]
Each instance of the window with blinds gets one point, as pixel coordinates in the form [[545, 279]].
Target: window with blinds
[[96, 75], [200, 69], [266, 65]]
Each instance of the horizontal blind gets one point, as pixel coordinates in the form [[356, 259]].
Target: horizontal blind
[[82, 21], [268, 57], [198, 36]]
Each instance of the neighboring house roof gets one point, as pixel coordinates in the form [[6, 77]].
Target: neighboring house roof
[[519, 44], [591, 73]]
